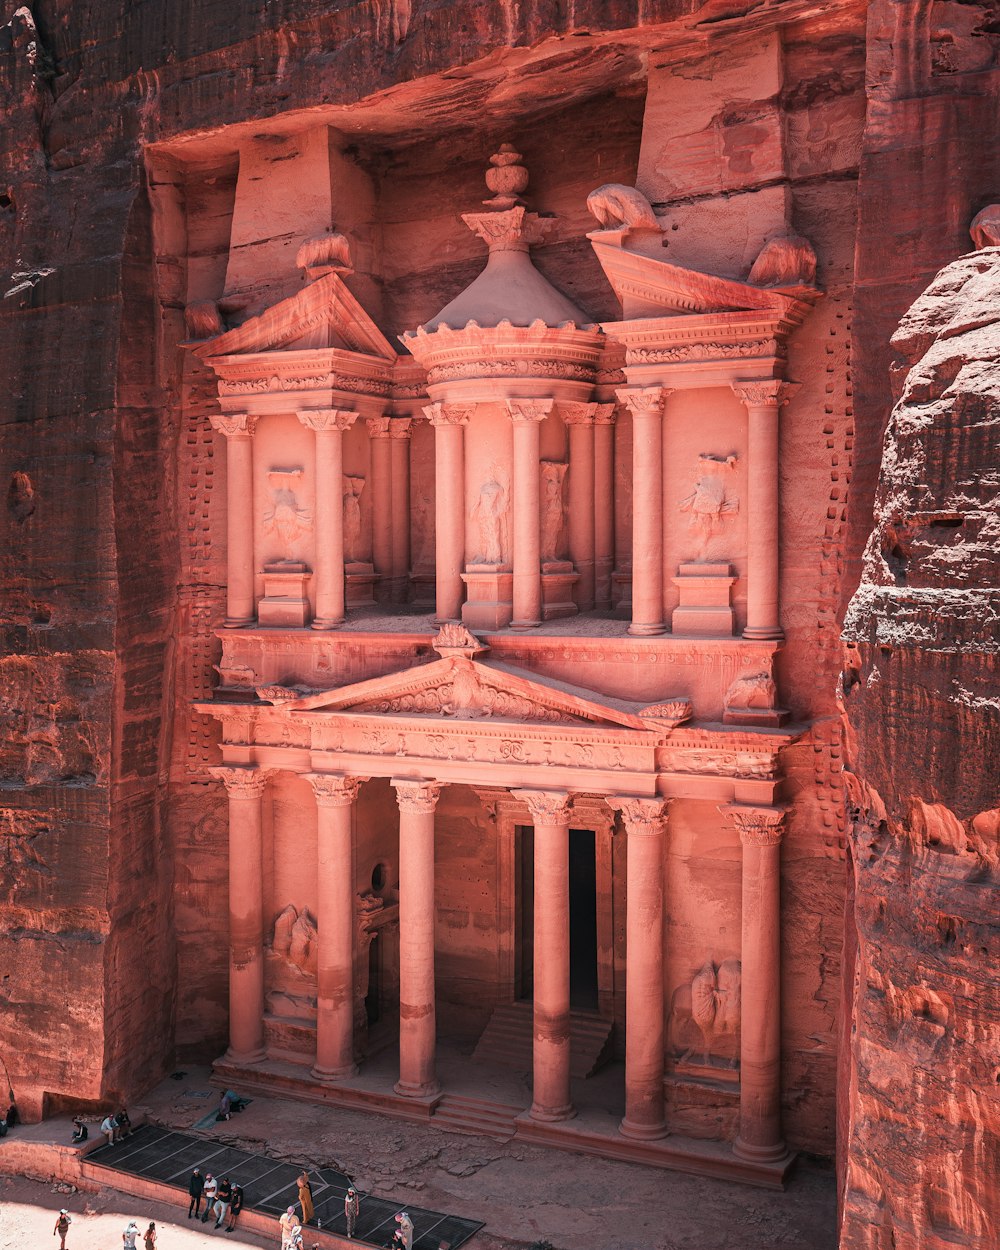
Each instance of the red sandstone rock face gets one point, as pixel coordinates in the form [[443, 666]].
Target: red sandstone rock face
[[925, 719]]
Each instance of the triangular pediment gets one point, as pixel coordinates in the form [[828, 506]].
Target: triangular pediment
[[323, 314], [465, 689]]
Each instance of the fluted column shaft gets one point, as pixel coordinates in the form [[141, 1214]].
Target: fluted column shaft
[[381, 463], [579, 419], [550, 813], [399, 445], [527, 415], [417, 1014], [245, 788], [335, 797], [646, 407], [644, 823], [760, 832], [328, 426], [604, 504], [241, 607], [449, 506]]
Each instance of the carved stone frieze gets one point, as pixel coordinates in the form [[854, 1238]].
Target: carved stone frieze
[[740, 349], [717, 763]]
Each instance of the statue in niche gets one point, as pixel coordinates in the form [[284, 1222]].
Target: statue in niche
[[295, 939], [705, 1015], [286, 521], [490, 514], [353, 486], [709, 502], [422, 533], [553, 475]]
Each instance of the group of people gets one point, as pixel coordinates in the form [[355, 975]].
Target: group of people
[[129, 1237], [291, 1228], [222, 1198], [115, 1127]]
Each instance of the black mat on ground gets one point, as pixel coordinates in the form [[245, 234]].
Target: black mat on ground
[[159, 1154]]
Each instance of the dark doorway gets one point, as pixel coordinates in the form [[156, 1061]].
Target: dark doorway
[[524, 912], [373, 999], [582, 920]]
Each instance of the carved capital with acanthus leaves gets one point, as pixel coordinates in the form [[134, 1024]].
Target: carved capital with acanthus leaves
[[605, 414], [547, 807], [244, 782], [449, 414], [327, 420], [378, 427], [527, 411], [234, 424], [334, 789], [644, 401], [642, 817], [399, 428], [767, 393], [757, 826], [416, 798], [578, 414]]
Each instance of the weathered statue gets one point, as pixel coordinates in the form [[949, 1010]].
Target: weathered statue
[[286, 521], [711, 1004], [788, 261], [709, 501], [553, 510], [295, 938], [489, 514], [353, 486], [618, 207], [752, 690]]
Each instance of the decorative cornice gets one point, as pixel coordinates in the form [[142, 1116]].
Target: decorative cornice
[[526, 411], [449, 414], [334, 789], [547, 807], [757, 826], [416, 798], [644, 401], [771, 393], [640, 816], [241, 782], [234, 424], [327, 420]]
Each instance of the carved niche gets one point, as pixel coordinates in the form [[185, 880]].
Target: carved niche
[[711, 500], [704, 1026], [286, 521], [295, 939]]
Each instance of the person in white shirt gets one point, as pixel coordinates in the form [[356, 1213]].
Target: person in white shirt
[[287, 1221], [109, 1127], [406, 1228], [130, 1234], [210, 1191]]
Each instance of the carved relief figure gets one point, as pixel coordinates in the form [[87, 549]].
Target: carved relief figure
[[553, 509], [709, 502], [752, 690], [490, 514], [295, 939], [353, 486], [705, 1015], [286, 521]]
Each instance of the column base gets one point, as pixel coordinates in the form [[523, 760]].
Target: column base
[[642, 1132], [331, 1076], [760, 1154], [410, 1089], [525, 624], [328, 622], [639, 630], [549, 1115], [439, 620], [232, 622], [244, 1057], [764, 633]]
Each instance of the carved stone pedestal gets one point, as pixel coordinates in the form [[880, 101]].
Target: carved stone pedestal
[[422, 590], [558, 580], [621, 594], [489, 590], [705, 609], [361, 579], [285, 603]]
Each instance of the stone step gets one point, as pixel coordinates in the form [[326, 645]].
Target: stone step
[[507, 1040], [456, 1114]]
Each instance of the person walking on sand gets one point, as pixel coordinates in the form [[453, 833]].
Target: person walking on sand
[[130, 1234], [305, 1196], [195, 1186], [62, 1227], [235, 1205], [352, 1209], [287, 1221], [149, 1236]]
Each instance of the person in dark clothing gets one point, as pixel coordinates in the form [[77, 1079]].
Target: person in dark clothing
[[12, 1117], [124, 1124], [80, 1132], [222, 1201], [235, 1205], [195, 1187]]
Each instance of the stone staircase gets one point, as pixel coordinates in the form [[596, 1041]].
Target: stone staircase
[[506, 1040], [457, 1114]]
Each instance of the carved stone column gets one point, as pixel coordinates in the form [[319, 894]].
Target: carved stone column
[[644, 821], [550, 812], [449, 506], [381, 462], [760, 830], [763, 401], [241, 608], [245, 787], [527, 415], [328, 426], [335, 797], [604, 504], [417, 1017], [579, 419], [399, 444], [646, 406]]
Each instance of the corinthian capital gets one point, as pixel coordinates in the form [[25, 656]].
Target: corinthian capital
[[449, 414], [334, 789], [378, 427], [241, 782], [757, 826], [399, 427], [322, 420], [417, 798], [767, 393], [640, 816], [604, 414], [578, 414], [233, 424], [644, 401], [525, 411], [547, 807]]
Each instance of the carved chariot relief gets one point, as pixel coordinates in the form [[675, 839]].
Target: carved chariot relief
[[704, 1024]]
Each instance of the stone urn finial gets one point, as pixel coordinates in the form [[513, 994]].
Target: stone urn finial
[[506, 178]]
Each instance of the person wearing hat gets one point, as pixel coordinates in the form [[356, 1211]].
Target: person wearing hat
[[195, 1187], [130, 1234], [62, 1227], [288, 1221], [295, 1238], [211, 1189], [235, 1205], [406, 1228], [352, 1209]]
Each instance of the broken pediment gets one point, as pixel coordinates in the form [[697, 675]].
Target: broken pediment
[[465, 689]]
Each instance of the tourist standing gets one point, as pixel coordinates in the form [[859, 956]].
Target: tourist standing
[[406, 1228], [195, 1186], [287, 1222], [235, 1205], [62, 1227], [225, 1192], [352, 1209], [130, 1234], [305, 1196], [211, 1189], [149, 1236], [295, 1238]]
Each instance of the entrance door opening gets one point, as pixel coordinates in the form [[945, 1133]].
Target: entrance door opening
[[582, 920], [373, 999], [524, 912]]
